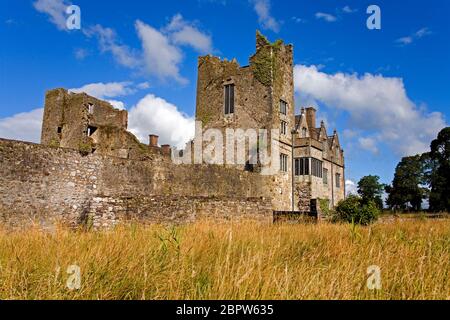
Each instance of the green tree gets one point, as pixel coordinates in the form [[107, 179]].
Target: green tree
[[370, 189], [407, 190], [355, 210], [439, 172]]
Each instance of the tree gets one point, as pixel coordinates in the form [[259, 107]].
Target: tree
[[355, 210], [439, 176], [370, 189], [407, 190]]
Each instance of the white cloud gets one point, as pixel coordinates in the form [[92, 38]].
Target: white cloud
[[161, 58], [55, 9], [368, 144], [143, 85], [326, 16], [347, 9], [265, 19], [24, 126], [377, 105], [415, 36], [108, 42], [182, 32], [422, 33], [154, 115], [350, 187], [161, 53], [106, 90], [405, 40], [349, 134], [80, 53], [117, 104], [298, 20]]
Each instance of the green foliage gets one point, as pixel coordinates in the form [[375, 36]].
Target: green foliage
[[262, 66], [407, 191], [414, 174], [355, 210], [85, 148], [324, 205], [439, 177], [264, 62], [205, 116], [54, 143], [370, 189]]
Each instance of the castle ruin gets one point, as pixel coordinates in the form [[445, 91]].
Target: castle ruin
[[89, 169]]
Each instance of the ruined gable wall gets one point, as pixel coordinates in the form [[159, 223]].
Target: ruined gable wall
[[70, 113], [252, 99], [44, 184]]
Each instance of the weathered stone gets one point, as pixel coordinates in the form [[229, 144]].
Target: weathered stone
[[90, 168]]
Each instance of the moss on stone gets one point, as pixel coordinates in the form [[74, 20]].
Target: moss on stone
[[54, 143], [205, 116], [264, 62], [85, 147]]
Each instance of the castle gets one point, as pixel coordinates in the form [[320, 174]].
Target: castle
[[90, 169]]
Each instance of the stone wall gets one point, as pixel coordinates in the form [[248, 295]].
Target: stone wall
[[109, 211], [44, 185]]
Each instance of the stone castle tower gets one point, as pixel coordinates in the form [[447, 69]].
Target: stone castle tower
[[261, 96]]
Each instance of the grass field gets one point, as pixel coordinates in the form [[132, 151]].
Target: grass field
[[230, 261]]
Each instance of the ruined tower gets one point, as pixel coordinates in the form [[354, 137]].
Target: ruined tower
[[261, 96], [257, 96]]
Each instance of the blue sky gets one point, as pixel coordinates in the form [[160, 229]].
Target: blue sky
[[386, 91]]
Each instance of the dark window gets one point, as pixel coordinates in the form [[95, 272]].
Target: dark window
[[229, 99], [283, 127], [249, 167], [316, 167], [301, 166], [283, 107], [297, 167], [338, 180], [91, 130], [283, 162], [59, 130]]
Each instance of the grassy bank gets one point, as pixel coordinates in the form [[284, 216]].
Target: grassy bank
[[230, 261]]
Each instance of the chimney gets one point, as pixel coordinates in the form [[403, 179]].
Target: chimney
[[311, 117], [165, 149], [153, 140]]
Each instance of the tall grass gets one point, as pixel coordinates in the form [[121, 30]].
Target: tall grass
[[243, 260]]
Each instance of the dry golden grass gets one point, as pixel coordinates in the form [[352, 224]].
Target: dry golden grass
[[243, 260]]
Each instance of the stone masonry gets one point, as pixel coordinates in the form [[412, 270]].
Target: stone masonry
[[89, 170]]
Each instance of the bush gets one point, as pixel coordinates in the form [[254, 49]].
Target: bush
[[353, 209]]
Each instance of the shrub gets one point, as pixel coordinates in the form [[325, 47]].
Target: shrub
[[324, 205], [353, 209]]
